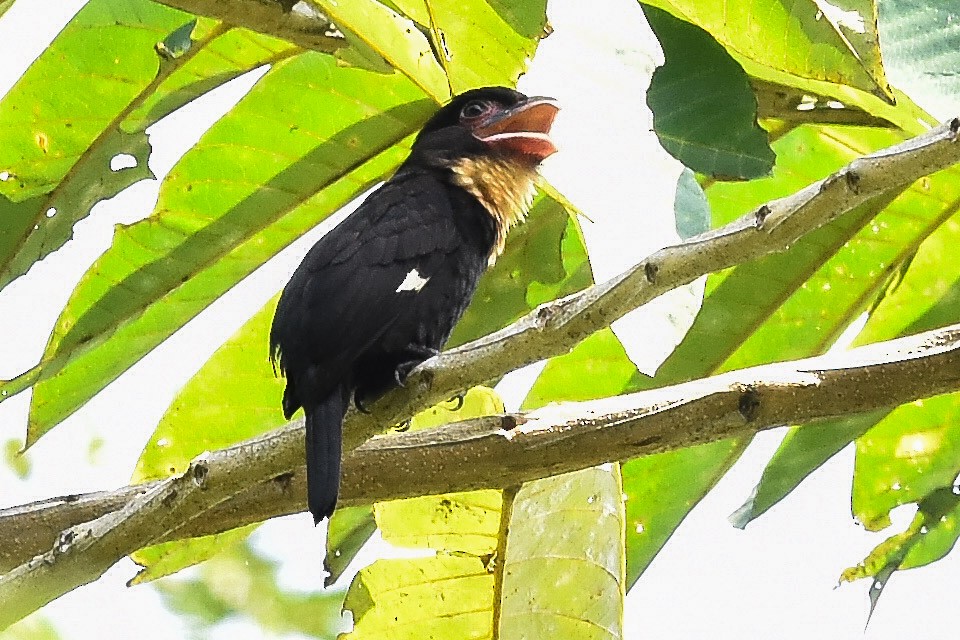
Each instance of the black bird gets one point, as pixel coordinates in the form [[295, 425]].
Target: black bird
[[381, 292]]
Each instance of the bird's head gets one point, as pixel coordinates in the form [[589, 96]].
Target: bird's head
[[490, 142], [491, 121]]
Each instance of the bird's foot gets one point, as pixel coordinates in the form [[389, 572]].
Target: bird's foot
[[459, 398], [416, 355], [403, 426], [360, 403]]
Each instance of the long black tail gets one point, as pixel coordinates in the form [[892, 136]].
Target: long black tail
[[324, 437]]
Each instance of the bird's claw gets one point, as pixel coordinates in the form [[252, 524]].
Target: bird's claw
[[359, 404]]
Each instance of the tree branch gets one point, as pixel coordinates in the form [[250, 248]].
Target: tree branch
[[303, 26], [264, 477], [499, 451]]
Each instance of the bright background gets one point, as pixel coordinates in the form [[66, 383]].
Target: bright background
[[777, 578]]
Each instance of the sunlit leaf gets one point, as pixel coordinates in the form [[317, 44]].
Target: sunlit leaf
[[240, 195], [563, 575], [930, 536], [782, 306], [834, 42]]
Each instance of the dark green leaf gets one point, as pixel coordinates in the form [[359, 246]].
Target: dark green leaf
[[704, 111]]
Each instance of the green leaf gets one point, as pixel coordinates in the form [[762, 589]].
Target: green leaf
[[370, 24], [167, 558], [545, 258], [782, 306], [564, 549], [462, 522], [264, 174], [931, 535], [55, 153], [444, 596], [217, 54], [5, 5], [904, 457], [41, 139], [925, 230], [921, 51], [690, 206], [834, 42], [565, 552], [239, 583], [704, 111], [73, 143], [597, 367], [489, 46], [347, 531]]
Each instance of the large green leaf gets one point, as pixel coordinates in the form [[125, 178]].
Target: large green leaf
[[55, 153], [563, 574], [907, 455], [478, 42], [835, 42], [704, 110], [926, 223], [264, 174], [375, 26], [65, 167], [563, 549], [779, 307]]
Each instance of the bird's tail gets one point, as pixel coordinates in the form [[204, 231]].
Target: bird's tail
[[324, 436]]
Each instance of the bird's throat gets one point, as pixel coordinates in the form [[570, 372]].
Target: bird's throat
[[505, 187]]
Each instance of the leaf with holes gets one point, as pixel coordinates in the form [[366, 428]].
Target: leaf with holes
[[240, 195], [94, 134]]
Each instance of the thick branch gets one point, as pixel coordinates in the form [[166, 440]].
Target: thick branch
[[263, 477], [501, 451]]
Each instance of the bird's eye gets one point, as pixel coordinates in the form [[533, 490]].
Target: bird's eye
[[475, 109]]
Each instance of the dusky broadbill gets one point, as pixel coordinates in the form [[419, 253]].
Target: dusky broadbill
[[381, 291]]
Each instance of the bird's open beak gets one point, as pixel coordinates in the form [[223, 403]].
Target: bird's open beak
[[523, 128]]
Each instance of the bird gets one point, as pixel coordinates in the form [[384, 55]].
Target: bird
[[381, 292]]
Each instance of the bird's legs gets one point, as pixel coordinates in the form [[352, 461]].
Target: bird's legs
[[414, 354]]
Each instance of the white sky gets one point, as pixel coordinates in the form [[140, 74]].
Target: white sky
[[776, 579]]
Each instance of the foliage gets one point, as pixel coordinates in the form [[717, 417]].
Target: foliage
[[760, 97]]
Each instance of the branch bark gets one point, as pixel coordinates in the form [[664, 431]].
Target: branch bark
[[496, 451], [264, 477]]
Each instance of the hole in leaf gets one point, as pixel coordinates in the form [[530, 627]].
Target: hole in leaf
[[4, 176], [52, 211], [122, 161]]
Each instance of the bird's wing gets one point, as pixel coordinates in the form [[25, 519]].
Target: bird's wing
[[357, 281]]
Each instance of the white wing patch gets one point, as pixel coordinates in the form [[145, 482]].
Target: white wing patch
[[413, 282]]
